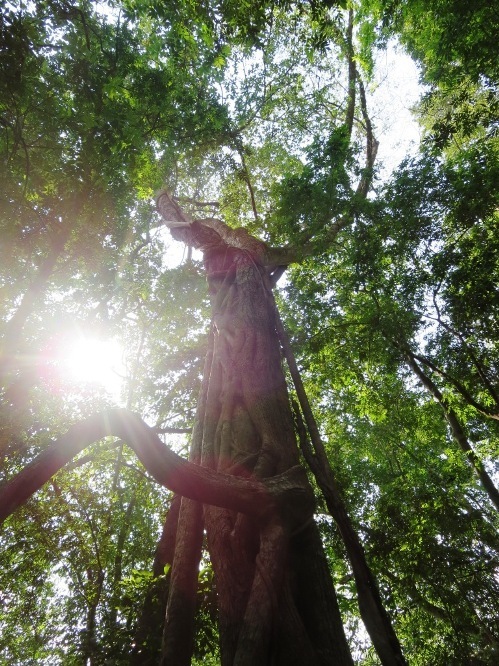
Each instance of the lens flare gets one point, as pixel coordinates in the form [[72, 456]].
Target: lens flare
[[94, 361]]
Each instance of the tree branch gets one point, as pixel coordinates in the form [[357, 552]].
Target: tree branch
[[457, 430], [261, 500], [458, 386], [247, 180], [371, 145]]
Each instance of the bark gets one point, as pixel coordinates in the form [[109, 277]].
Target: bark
[[248, 432], [372, 611], [372, 146], [89, 644], [481, 369]]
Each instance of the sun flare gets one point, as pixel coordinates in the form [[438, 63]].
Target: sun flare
[[94, 361]]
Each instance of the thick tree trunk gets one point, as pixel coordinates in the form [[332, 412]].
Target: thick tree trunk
[[276, 599]]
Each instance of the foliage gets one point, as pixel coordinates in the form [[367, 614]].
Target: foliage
[[454, 43], [247, 103]]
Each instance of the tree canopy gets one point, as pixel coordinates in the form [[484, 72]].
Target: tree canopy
[[260, 114]]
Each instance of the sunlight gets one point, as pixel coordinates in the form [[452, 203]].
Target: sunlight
[[95, 361]]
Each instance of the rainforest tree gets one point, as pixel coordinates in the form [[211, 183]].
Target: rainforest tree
[[329, 436]]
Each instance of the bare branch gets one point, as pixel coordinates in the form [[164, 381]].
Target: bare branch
[[202, 484]]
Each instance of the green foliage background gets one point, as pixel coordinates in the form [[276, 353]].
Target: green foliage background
[[245, 104]]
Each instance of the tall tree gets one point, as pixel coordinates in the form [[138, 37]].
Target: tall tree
[[259, 114]]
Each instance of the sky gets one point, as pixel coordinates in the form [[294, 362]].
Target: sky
[[395, 91]]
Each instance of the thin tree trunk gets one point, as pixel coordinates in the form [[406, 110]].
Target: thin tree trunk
[[352, 73], [372, 610], [178, 635], [147, 643], [89, 647], [178, 632], [123, 535], [457, 430]]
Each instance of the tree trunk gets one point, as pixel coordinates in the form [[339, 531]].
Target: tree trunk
[[178, 634], [276, 599], [147, 644], [277, 604]]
